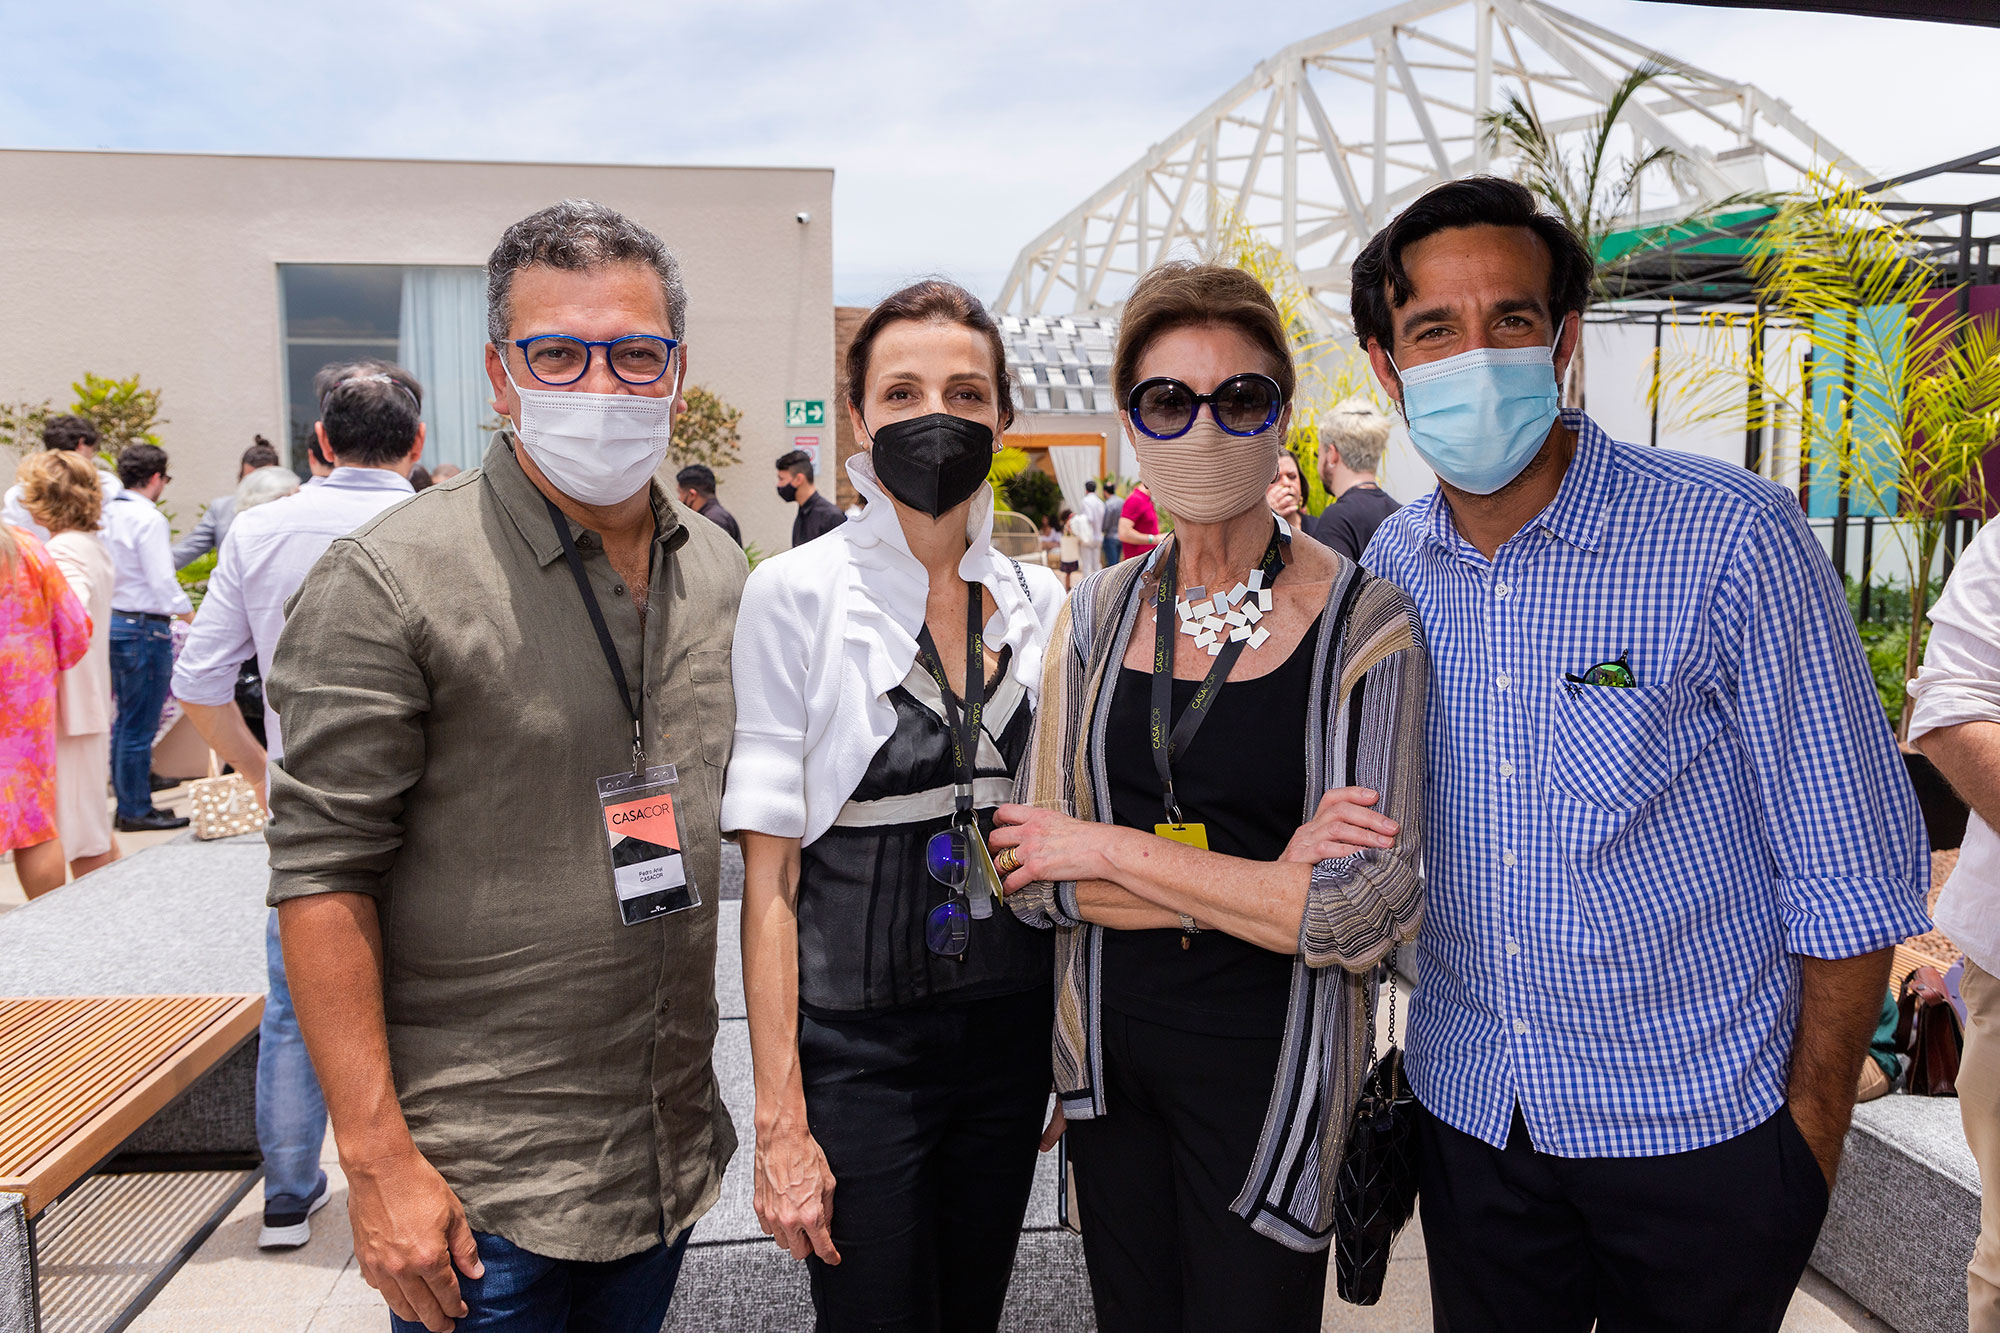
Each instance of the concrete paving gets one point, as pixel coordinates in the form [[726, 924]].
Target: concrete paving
[[175, 799], [230, 1286]]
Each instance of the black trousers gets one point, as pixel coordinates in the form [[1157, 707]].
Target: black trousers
[[1154, 1181], [1712, 1240], [929, 1120]]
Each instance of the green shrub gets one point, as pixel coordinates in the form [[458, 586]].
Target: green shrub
[[193, 576], [1887, 646]]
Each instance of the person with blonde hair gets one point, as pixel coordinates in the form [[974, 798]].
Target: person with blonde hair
[[42, 631], [62, 491], [65, 435], [1351, 440]]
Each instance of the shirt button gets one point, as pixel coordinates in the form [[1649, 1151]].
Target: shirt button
[[618, 588], [1513, 948], [1501, 680], [1502, 590], [1520, 1027], [1506, 768], [1507, 858]]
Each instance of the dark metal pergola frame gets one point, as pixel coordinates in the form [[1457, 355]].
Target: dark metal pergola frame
[[1674, 283]]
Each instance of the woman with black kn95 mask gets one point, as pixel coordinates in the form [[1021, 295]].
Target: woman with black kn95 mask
[[900, 1015]]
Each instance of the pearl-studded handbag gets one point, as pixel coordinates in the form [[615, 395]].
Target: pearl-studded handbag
[[223, 806]]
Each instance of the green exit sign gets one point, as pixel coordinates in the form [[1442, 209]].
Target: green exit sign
[[805, 411]]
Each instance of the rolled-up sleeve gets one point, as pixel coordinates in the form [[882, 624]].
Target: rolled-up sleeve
[[765, 790], [1360, 907], [1839, 816], [351, 690], [220, 640]]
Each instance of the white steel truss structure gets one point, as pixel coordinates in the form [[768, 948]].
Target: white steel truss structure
[[1330, 137]]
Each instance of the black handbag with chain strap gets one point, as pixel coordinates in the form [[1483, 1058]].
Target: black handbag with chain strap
[[1376, 1189]]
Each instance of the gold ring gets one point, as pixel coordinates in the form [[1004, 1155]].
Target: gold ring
[[1007, 862]]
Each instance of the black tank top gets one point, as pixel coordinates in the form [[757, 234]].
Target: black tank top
[[1244, 777], [864, 891]]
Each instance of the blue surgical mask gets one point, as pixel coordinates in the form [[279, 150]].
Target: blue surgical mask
[[1479, 418]]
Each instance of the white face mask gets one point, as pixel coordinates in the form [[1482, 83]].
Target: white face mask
[[598, 448]]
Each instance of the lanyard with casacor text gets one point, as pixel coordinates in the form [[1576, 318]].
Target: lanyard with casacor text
[[964, 717], [649, 876], [1168, 744]]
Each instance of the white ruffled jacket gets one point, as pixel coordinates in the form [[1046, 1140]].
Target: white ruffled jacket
[[825, 631]]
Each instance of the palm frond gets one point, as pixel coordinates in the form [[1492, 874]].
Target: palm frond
[[1598, 142], [1904, 401]]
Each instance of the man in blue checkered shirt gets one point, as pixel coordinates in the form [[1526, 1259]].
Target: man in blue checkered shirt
[[1671, 842]]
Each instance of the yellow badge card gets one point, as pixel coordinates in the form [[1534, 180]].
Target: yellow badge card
[[1194, 835]]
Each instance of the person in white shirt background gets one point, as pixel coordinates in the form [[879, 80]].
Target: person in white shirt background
[[1956, 723], [63, 434], [145, 597], [1092, 513], [371, 427]]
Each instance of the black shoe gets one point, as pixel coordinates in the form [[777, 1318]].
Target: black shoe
[[153, 821], [159, 783], [291, 1228]]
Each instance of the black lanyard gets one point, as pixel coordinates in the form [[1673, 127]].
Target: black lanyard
[[1166, 746], [603, 634], [964, 717]]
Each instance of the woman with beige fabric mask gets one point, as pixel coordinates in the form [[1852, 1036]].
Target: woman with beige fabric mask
[[1219, 817]]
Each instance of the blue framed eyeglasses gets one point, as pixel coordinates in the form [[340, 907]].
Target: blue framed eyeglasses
[[1167, 409], [948, 928], [558, 359]]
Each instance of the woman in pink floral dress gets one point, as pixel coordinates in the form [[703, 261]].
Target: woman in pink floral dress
[[43, 630]]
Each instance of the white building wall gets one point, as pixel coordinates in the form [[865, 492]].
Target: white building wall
[[167, 265]]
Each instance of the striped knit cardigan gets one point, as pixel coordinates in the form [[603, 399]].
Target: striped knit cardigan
[[1364, 727]]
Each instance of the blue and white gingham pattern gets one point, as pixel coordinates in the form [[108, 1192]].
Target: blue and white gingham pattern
[[1619, 881]]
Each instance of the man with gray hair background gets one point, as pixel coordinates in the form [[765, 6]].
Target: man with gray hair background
[[494, 846], [1351, 440]]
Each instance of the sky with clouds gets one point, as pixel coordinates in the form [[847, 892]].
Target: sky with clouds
[[957, 130]]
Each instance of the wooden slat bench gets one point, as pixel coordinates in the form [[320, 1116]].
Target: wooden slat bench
[[79, 1076]]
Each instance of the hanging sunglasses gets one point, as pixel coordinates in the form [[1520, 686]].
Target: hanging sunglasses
[[1166, 409], [948, 928]]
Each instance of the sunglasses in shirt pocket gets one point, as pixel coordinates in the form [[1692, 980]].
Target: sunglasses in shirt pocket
[[1616, 748], [1613, 752]]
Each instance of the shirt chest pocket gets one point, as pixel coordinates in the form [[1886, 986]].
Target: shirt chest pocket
[[714, 702], [1617, 748]]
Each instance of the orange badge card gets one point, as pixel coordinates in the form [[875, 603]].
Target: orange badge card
[[649, 819], [649, 876]]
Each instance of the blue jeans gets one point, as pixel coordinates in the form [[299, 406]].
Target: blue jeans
[[142, 669], [526, 1293], [291, 1114], [1114, 551]]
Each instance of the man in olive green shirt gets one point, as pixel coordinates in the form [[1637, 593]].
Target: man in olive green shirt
[[519, 1081]]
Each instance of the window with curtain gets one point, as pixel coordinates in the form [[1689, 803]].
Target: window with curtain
[[441, 339], [429, 320]]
